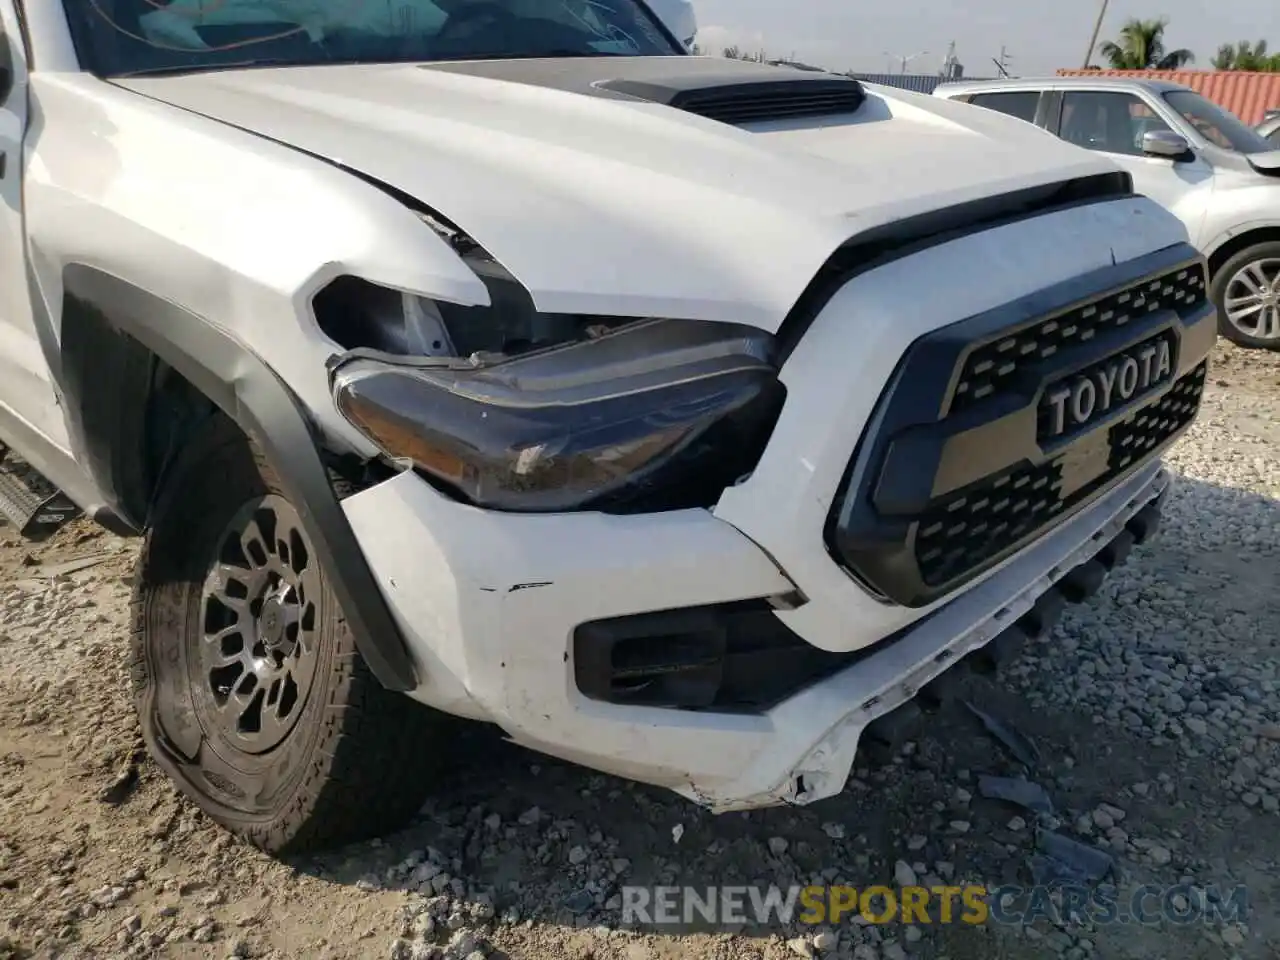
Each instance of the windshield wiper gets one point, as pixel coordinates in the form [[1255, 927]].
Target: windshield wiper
[[199, 67], [264, 62]]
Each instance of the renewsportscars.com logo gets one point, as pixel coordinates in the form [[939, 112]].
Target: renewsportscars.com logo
[[775, 905], [972, 904]]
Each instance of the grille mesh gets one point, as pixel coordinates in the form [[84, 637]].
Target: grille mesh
[[965, 531], [994, 365], [1136, 437]]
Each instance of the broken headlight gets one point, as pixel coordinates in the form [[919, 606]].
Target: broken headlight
[[655, 414]]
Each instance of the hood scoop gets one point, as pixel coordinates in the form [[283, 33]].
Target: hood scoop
[[741, 101], [731, 91]]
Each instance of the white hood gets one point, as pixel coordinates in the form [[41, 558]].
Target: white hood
[[600, 204]]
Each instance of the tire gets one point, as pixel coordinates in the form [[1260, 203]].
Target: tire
[[335, 757], [1237, 277]]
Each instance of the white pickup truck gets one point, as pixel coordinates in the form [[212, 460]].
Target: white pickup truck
[[684, 418]]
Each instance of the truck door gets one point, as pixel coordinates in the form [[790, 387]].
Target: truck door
[[26, 390]]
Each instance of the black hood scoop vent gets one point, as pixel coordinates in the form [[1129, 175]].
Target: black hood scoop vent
[[740, 102], [731, 91]]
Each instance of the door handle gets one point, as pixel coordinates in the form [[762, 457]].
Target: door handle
[[3, 156]]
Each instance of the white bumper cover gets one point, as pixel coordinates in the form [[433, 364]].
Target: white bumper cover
[[489, 605], [489, 602]]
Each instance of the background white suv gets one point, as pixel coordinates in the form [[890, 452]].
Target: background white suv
[[1218, 176]]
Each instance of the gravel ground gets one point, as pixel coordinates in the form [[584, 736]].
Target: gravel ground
[[1156, 708]]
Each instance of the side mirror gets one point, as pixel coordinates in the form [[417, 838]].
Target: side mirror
[[1165, 143]]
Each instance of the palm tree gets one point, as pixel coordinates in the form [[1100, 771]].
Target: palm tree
[[1141, 47], [1246, 56]]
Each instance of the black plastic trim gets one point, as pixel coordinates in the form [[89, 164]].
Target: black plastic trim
[[248, 391], [7, 79], [901, 238], [106, 378], [784, 97], [656, 79], [740, 658], [728, 658], [914, 454], [729, 91]]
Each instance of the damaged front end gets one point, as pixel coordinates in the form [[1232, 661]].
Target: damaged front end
[[506, 408]]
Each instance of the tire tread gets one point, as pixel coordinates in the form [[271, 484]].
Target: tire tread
[[369, 769]]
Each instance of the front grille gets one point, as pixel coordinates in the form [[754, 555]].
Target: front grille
[[1135, 438], [997, 428], [966, 531], [995, 365]]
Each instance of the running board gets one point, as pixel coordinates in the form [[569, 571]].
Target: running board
[[31, 505]]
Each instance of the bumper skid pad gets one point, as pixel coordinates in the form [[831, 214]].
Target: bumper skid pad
[[884, 736]]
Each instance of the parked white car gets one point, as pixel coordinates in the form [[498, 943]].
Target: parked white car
[[685, 418], [1217, 175]]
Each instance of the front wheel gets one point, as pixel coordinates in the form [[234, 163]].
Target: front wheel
[[250, 691], [1246, 293]]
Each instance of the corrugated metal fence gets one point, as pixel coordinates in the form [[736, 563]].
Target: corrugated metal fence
[[1248, 95], [916, 82]]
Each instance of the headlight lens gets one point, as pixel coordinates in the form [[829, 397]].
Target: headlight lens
[[662, 411]]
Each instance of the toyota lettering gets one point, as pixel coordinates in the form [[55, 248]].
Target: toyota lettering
[[1115, 382]]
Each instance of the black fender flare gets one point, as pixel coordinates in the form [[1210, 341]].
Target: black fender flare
[[248, 390]]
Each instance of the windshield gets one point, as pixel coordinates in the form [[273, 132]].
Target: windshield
[[116, 37], [1220, 127]]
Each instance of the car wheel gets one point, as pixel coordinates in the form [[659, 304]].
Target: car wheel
[[1246, 292], [250, 691]]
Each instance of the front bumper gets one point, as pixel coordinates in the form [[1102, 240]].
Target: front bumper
[[489, 603]]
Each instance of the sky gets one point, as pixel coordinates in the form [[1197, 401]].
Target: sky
[[1040, 35]]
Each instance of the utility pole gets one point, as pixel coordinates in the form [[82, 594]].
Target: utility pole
[[948, 62], [1097, 29], [903, 61], [1003, 63]]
